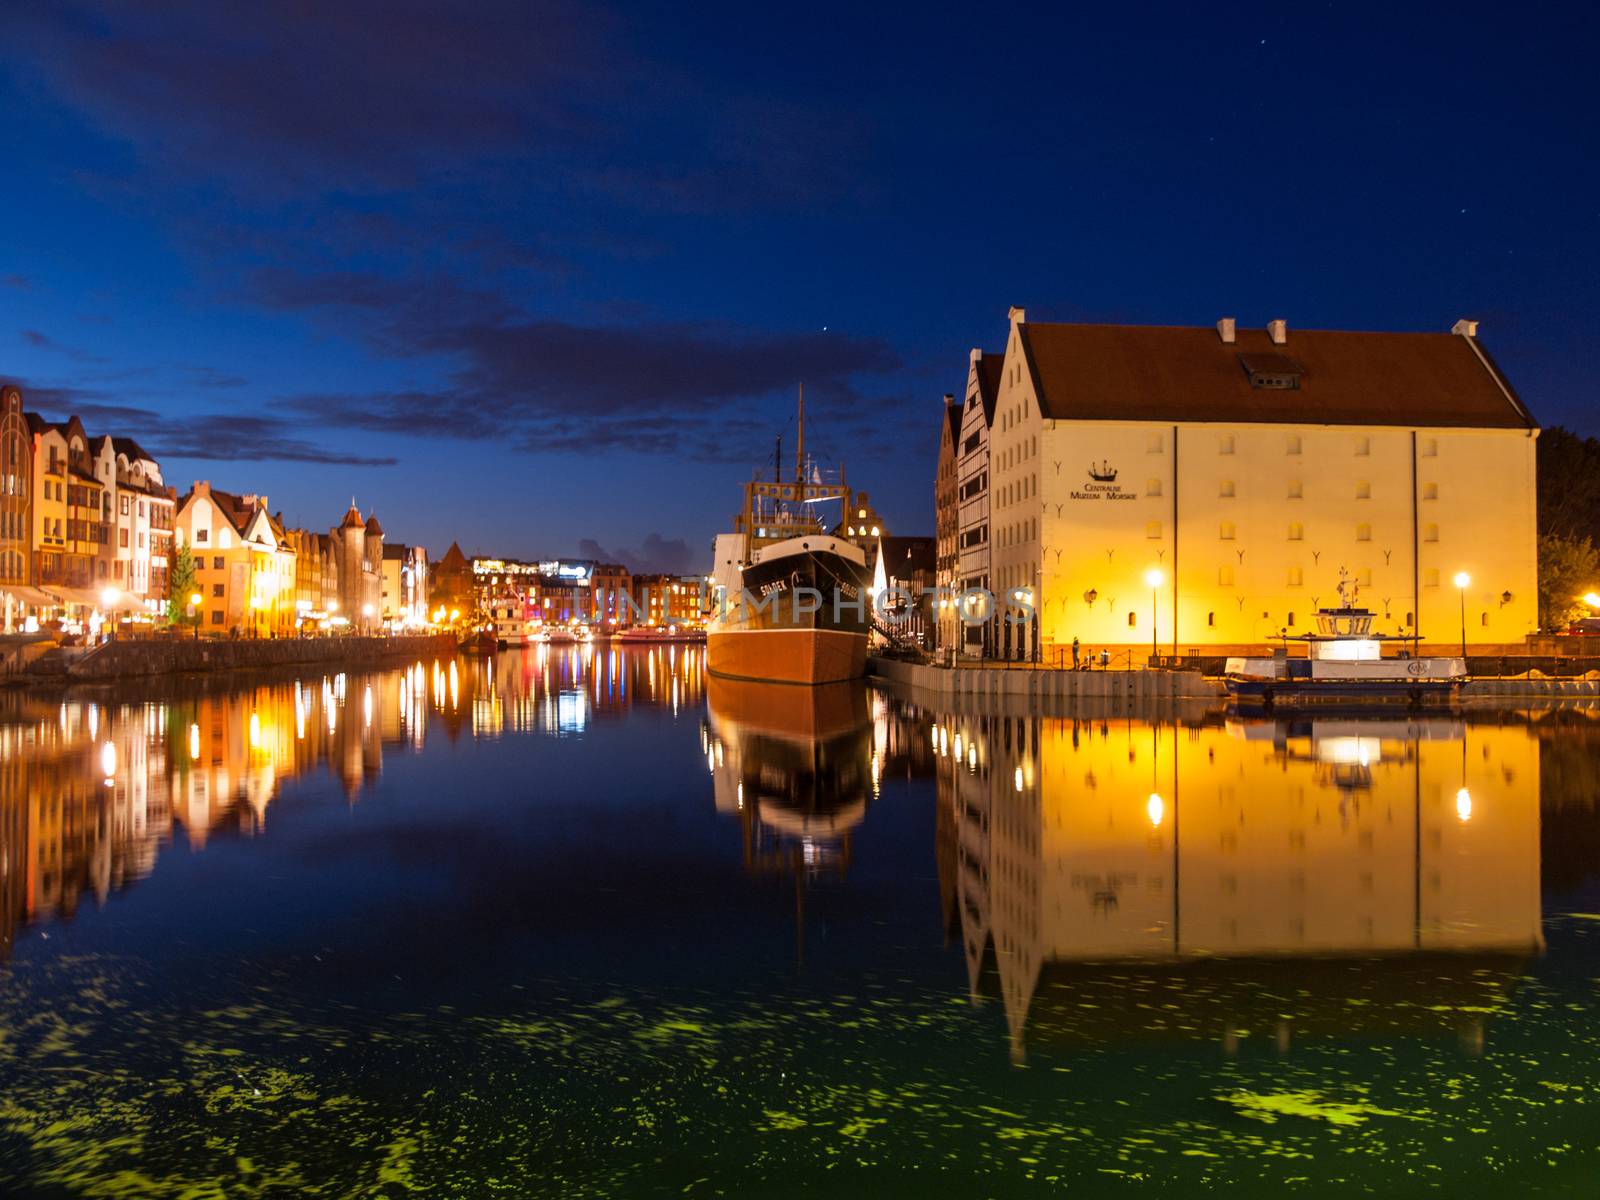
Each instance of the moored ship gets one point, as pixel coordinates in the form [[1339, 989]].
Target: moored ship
[[790, 602]]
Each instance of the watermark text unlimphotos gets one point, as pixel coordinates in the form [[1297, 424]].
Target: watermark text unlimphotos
[[797, 602]]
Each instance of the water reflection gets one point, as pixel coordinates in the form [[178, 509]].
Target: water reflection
[[92, 789], [1117, 879]]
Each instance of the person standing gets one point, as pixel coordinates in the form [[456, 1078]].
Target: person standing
[[1074, 654]]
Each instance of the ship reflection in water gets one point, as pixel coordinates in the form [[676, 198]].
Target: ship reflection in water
[[1112, 880]]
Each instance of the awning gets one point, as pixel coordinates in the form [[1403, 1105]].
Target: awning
[[86, 597], [32, 597]]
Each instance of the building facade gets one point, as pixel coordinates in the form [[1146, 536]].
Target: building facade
[[1202, 489], [405, 585], [947, 525], [358, 559], [16, 507], [979, 623], [244, 563], [70, 510]]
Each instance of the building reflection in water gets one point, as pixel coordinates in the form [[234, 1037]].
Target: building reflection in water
[[91, 790], [1123, 879]]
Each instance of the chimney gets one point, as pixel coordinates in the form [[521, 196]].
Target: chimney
[[1278, 329], [1465, 328], [1017, 315], [974, 355], [949, 399], [1225, 327]]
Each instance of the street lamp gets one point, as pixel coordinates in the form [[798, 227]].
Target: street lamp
[[194, 603], [1462, 580], [1154, 578], [1592, 599]]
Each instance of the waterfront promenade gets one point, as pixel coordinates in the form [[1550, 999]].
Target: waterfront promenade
[[42, 662]]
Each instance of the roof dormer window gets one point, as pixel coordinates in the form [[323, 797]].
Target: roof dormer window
[[1271, 372]]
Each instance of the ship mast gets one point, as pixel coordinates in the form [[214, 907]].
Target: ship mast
[[800, 449]]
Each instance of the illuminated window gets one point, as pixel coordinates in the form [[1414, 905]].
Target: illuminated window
[[1224, 576], [1297, 578], [1430, 533], [1152, 487], [1226, 531], [1363, 532], [1297, 531]]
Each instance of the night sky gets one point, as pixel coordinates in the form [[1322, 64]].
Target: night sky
[[542, 277]]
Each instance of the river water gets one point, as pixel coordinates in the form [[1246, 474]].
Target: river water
[[588, 922]]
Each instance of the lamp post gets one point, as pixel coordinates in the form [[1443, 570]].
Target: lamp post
[[1462, 580], [194, 603], [1154, 578]]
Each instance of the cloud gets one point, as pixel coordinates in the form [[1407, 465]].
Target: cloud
[[657, 555], [219, 437], [40, 341]]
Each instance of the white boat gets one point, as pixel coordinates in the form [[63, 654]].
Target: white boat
[[1344, 664]]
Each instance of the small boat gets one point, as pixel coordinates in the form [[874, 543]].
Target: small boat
[[1344, 665], [480, 641], [661, 633]]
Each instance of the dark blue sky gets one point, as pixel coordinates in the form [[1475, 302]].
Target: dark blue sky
[[527, 274]]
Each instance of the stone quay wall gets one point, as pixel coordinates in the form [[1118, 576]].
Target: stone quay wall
[[124, 659], [1002, 681]]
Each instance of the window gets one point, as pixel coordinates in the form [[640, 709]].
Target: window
[[216, 562], [1225, 489], [125, 502], [1291, 620], [1485, 618], [1430, 447], [202, 536], [1410, 617], [216, 589], [1133, 620], [1224, 576], [1363, 490], [1430, 491], [1363, 532], [1430, 533], [1152, 529], [1152, 487], [1363, 446], [1226, 532], [1153, 444], [216, 616], [1225, 444], [1430, 577], [1297, 531], [1211, 618], [1364, 577], [1293, 446], [1296, 489], [1297, 577], [122, 537]]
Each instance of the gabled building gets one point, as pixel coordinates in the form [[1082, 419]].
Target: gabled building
[[17, 595], [973, 534], [1241, 470], [947, 525], [70, 510], [358, 556], [244, 563], [904, 569], [451, 587], [139, 528]]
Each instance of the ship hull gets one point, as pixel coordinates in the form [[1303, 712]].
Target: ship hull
[[796, 655], [801, 618]]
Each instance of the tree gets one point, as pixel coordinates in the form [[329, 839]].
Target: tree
[[1569, 484], [180, 586], [1568, 568]]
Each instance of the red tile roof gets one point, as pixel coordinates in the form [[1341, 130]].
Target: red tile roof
[[1168, 373]]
